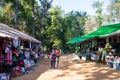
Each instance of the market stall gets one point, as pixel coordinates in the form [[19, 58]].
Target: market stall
[[98, 50], [16, 52]]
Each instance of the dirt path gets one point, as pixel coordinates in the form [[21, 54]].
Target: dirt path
[[71, 70]]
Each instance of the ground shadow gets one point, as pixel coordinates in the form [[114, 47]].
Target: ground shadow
[[98, 71], [41, 67], [88, 69]]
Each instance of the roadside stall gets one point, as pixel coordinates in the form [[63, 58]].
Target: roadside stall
[[100, 49], [5, 57], [15, 59], [114, 40]]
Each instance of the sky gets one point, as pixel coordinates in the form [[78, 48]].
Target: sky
[[79, 5]]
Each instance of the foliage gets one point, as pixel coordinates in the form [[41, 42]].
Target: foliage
[[55, 29], [74, 26], [74, 21], [99, 17], [47, 23], [6, 14], [114, 10], [90, 25]]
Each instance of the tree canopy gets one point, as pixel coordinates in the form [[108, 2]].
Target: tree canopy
[[50, 24]]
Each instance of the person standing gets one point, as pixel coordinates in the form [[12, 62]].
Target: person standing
[[53, 59]]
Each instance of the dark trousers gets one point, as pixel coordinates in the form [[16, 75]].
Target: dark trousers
[[53, 64]]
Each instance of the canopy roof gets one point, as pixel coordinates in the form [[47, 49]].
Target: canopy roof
[[117, 33], [4, 35], [78, 39], [104, 30], [15, 34]]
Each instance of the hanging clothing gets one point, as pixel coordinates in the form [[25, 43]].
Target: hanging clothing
[[15, 42], [103, 54], [27, 54], [2, 43], [30, 45], [100, 50], [1, 56], [9, 55]]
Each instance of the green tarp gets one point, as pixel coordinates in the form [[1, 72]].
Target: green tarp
[[104, 30], [77, 39]]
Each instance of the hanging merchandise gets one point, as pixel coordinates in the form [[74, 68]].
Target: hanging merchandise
[[100, 48], [103, 54], [21, 55], [107, 45], [1, 56], [8, 51], [27, 53], [93, 43], [30, 45], [116, 63], [3, 44], [21, 47], [15, 52], [15, 43], [5, 76]]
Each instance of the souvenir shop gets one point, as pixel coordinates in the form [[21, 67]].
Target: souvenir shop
[[16, 60], [105, 50], [102, 45], [17, 56]]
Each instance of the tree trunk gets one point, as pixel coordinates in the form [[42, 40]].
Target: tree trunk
[[16, 15], [33, 15]]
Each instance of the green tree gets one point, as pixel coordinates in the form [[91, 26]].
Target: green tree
[[90, 25], [114, 11], [6, 14], [74, 26], [16, 14], [74, 21], [99, 17], [47, 24], [55, 30]]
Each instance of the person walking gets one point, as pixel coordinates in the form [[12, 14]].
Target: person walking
[[57, 52], [53, 59]]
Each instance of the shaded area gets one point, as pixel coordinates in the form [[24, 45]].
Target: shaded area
[[87, 70], [71, 70], [41, 67]]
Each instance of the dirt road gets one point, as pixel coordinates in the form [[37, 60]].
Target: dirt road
[[71, 70]]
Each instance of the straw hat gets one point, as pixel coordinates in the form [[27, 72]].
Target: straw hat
[[21, 47], [107, 45]]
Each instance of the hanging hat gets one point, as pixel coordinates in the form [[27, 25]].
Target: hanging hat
[[21, 47], [107, 45]]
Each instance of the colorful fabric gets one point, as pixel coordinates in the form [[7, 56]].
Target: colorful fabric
[[9, 56], [1, 56], [3, 44]]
